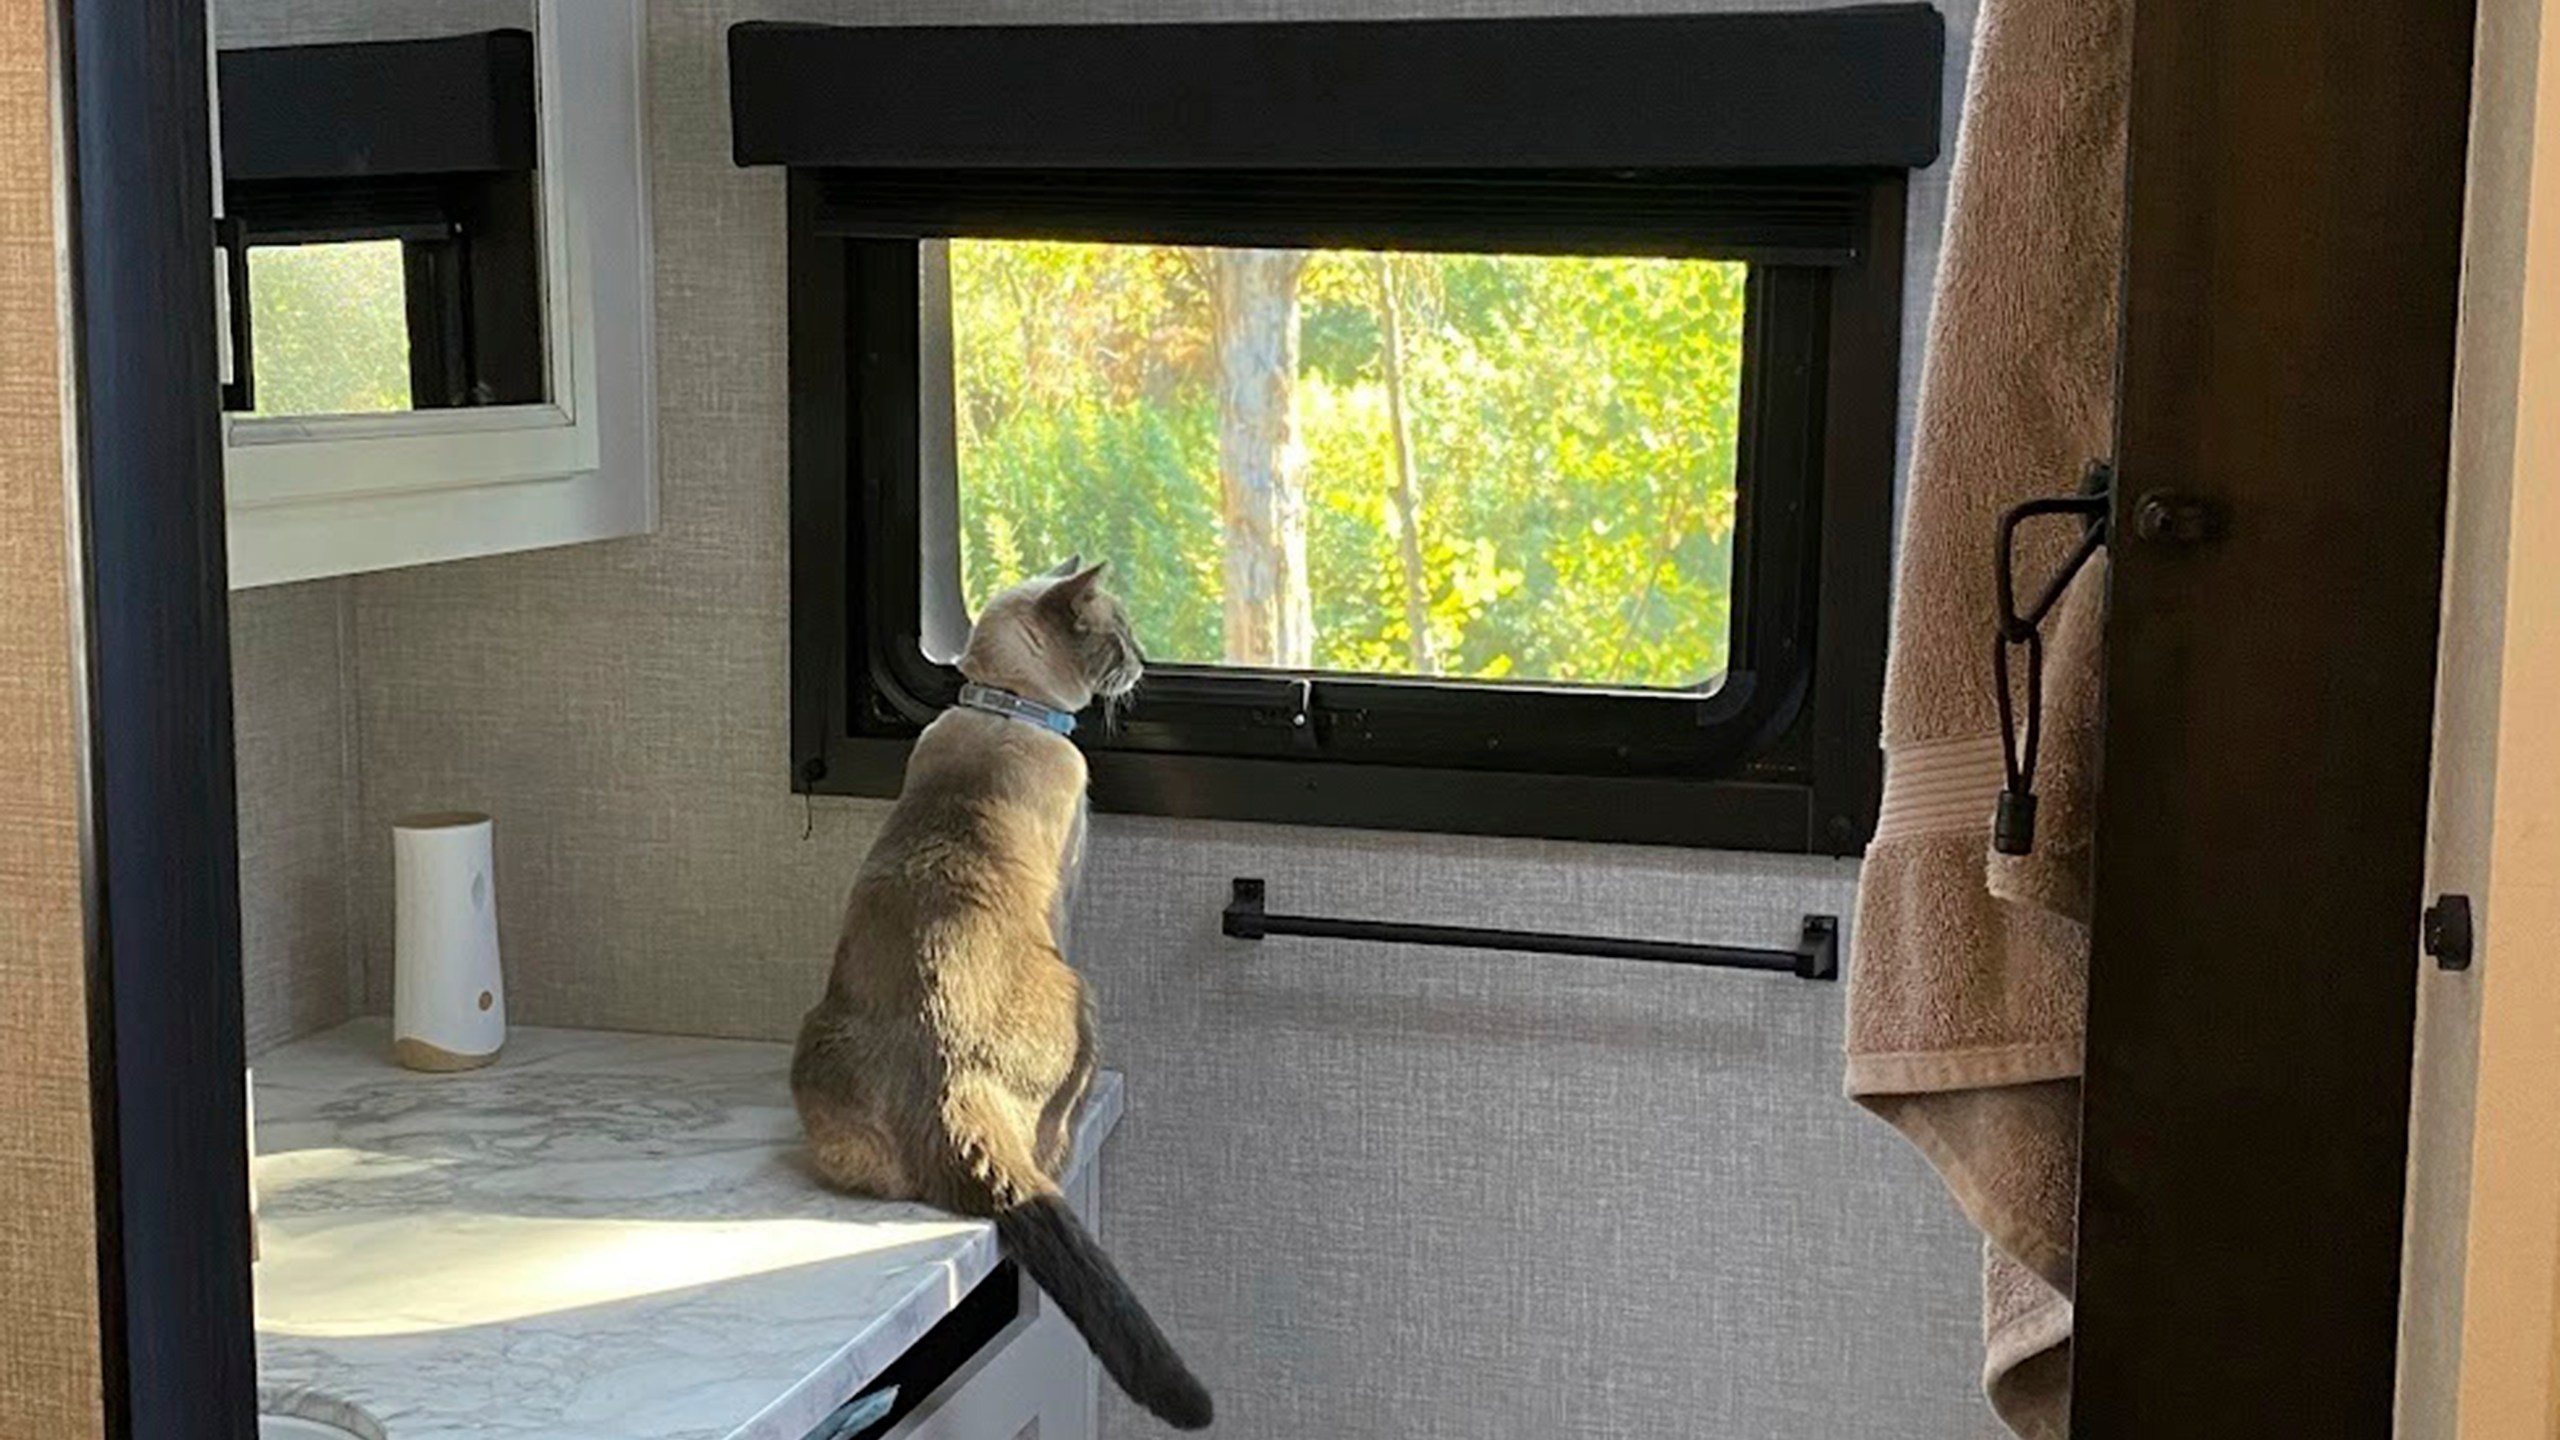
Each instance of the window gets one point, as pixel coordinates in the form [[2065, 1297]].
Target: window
[[382, 225], [326, 328], [1353, 462], [1547, 500], [368, 295]]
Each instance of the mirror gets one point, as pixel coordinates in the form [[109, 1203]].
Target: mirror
[[383, 236], [435, 279]]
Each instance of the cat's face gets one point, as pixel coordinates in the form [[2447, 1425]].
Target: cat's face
[[1059, 637]]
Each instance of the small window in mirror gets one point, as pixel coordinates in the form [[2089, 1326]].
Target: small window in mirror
[[328, 328], [391, 188]]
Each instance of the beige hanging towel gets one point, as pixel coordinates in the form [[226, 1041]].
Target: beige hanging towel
[[1969, 971]]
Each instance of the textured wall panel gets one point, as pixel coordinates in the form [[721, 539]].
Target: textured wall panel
[[292, 727], [49, 1381], [1442, 1195]]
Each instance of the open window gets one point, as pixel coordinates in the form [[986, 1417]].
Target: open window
[[1492, 424]]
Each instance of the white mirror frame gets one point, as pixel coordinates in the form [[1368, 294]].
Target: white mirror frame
[[334, 495]]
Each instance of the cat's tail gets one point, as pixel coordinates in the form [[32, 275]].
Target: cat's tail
[[1045, 1238]]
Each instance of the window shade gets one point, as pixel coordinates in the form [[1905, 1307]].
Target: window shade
[[1857, 88]]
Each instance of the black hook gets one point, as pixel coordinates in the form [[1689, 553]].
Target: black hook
[[2013, 821]]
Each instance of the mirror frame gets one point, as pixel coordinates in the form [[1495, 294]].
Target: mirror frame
[[336, 494]]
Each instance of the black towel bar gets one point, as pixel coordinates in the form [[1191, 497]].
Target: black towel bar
[[1815, 957]]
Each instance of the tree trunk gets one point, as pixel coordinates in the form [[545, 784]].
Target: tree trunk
[[1408, 503], [1270, 617]]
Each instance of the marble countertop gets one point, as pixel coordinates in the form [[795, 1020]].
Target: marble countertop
[[599, 1235]]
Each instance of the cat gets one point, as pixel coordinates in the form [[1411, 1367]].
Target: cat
[[954, 1043]]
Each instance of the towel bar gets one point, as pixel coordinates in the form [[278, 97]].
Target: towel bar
[[1816, 955]]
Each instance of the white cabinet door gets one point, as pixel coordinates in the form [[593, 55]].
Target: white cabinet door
[[1035, 1381]]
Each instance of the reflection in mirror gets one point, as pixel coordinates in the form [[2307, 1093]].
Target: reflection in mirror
[[382, 209]]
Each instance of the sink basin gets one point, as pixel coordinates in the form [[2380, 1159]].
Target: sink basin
[[296, 1427]]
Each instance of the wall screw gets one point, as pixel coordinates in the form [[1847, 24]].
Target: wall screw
[[2165, 516]]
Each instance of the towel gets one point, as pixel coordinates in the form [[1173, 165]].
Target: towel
[[1969, 970]]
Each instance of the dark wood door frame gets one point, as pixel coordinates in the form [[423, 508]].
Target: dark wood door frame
[[2293, 250], [168, 1099], [2295, 195]]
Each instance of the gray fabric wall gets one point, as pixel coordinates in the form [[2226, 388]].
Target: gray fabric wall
[[1442, 1195], [293, 739], [1376, 1193], [243, 23]]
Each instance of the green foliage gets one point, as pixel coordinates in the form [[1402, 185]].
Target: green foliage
[[1573, 427], [329, 328]]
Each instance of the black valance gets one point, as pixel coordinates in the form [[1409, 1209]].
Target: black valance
[[1832, 89], [371, 109]]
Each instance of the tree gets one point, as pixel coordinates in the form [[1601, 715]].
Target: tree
[[1253, 298], [1417, 599], [330, 328]]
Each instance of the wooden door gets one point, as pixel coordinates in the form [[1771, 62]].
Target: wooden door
[[2294, 195]]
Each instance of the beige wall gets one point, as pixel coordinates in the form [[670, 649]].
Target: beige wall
[[2480, 1354], [293, 731], [2511, 1301], [49, 1381], [2467, 690], [242, 23]]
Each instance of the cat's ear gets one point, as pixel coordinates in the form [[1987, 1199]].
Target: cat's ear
[[1065, 568], [1068, 594]]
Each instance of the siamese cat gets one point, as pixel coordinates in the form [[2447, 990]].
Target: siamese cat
[[954, 1042]]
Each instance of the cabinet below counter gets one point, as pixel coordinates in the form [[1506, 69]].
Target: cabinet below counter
[[611, 1235]]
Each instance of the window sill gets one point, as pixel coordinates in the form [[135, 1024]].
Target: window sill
[[1769, 816]]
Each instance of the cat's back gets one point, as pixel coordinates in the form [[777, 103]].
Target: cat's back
[[981, 822]]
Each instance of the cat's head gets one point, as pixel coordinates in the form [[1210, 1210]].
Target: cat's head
[[1058, 638]]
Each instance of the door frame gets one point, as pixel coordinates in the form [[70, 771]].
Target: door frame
[[169, 1094], [2249, 1043], [2293, 257], [2481, 1354]]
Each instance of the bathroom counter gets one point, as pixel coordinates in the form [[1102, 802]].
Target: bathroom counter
[[599, 1235]]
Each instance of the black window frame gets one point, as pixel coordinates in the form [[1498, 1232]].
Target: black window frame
[[471, 276], [1780, 755]]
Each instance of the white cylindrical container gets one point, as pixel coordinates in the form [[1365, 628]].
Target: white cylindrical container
[[448, 1006]]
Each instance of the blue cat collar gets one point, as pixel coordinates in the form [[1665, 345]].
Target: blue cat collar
[[1014, 707]]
